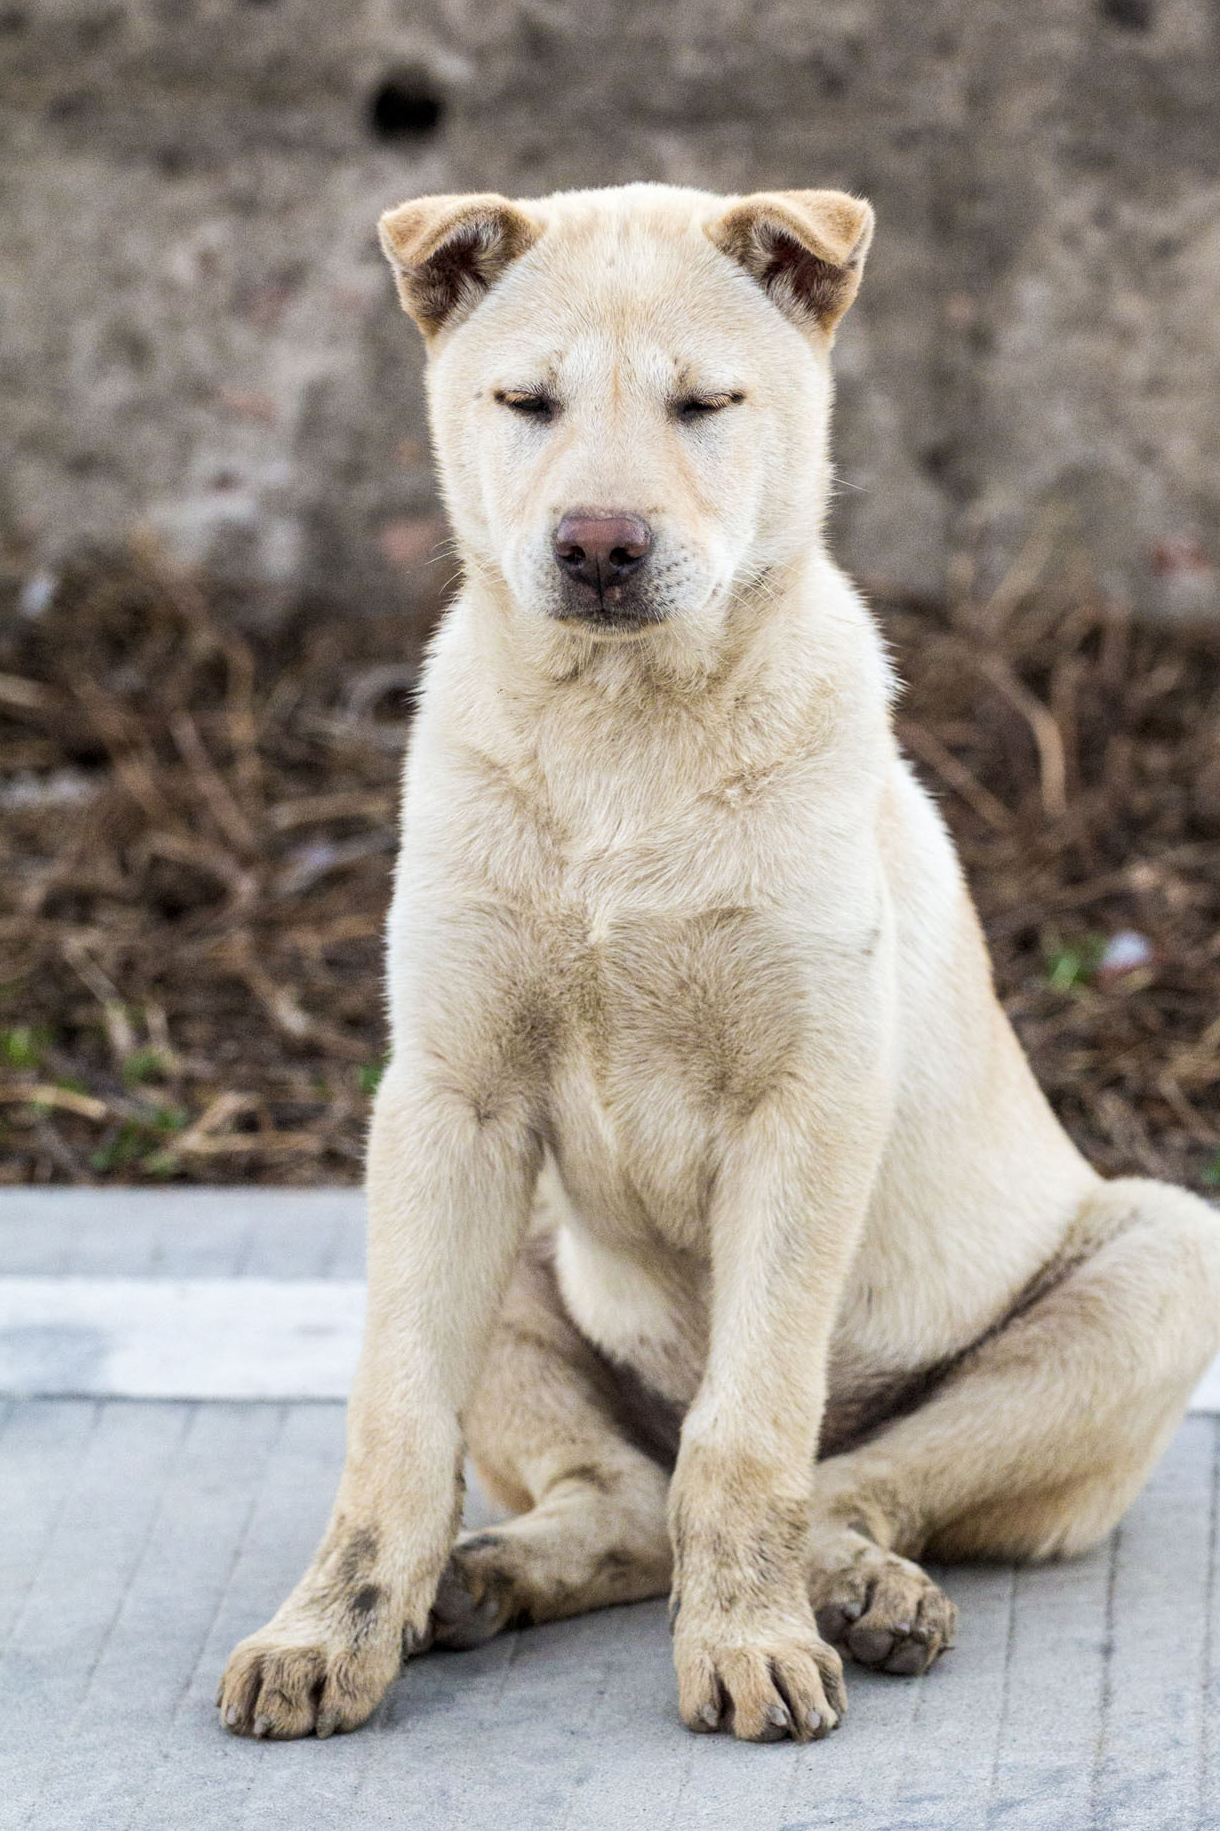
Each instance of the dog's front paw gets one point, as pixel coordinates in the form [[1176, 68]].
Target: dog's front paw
[[301, 1676], [762, 1685]]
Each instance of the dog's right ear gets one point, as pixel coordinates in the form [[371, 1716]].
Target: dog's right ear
[[448, 252]]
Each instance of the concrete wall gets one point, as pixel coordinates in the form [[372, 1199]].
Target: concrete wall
[[200, 336]]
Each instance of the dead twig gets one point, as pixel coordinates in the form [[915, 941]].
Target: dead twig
[[1048, 741], [43, 1093], [211, 785], [929, 749]]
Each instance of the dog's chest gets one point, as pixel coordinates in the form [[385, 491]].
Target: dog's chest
[[663, 938], [671, 1028]]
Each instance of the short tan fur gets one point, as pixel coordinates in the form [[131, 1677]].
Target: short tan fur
[[712, 1204]]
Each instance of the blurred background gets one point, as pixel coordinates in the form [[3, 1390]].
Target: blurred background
[[221, 549]]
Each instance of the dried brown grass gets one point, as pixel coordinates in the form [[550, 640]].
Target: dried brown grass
[[197, 831]]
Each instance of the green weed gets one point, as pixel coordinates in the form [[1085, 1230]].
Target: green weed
[[1075, 963], [22, 1045]]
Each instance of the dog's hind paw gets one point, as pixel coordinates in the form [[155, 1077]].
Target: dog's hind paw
[[480, 1593], [885, 1611]]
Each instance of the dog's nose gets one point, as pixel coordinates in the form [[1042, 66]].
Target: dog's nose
[[601, 550]]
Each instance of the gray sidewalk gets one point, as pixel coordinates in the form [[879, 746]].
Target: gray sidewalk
[[140, 1539]]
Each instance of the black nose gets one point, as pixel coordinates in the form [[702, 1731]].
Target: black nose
[[601, 550]]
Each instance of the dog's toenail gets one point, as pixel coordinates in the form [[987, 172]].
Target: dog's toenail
[[853, 1610], [902, 1627], [262, 1725], [814, 1719], [710, 1715], [778, 1715]]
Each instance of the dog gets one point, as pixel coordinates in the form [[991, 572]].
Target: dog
[[713, 1206]]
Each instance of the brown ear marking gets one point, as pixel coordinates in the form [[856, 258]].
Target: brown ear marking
[[805, 248], [448, 252]]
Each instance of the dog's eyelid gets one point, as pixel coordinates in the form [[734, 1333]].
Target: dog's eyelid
[[695, 406], [534, 401]]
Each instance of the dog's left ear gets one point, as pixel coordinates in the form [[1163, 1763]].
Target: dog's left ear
[[448, 252], [805, 248]]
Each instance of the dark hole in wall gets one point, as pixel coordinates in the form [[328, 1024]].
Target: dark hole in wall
[[1132, 15], [71, 107], [407, 104], [937, 462]]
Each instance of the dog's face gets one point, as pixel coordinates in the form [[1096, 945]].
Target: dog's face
[[630, 390]]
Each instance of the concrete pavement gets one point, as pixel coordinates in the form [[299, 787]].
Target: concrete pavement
[[139, 1538]]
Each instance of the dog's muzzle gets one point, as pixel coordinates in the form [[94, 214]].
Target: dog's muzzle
[[603, 560]]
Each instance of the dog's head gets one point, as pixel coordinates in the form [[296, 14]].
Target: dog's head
[[630, 389]]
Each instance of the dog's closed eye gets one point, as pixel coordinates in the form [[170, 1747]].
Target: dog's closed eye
[[698, 406], [532, 402]]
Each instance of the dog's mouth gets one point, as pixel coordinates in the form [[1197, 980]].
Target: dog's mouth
[[622, 608], [610, 619]]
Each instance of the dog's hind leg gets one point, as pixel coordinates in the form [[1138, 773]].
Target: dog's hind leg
[[1038, 1440], [551, 1436]]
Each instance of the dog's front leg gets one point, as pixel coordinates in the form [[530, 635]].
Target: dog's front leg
[[786, 1216], [450, 1183]]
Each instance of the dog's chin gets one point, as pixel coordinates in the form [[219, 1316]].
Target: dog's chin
[[614, 618], [616, 628]]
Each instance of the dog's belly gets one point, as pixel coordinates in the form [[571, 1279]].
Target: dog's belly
[[648, 1317], [625, 1196], [628, 1224], [643, 1300], [639, 1299], [643, 1303]]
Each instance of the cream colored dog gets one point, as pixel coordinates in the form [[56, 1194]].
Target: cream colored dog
[[713, 1205]]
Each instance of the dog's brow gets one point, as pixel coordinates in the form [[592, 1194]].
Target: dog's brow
[[531, 375], [705, 378]]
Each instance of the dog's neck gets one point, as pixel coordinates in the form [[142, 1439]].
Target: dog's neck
[[795, 656]]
